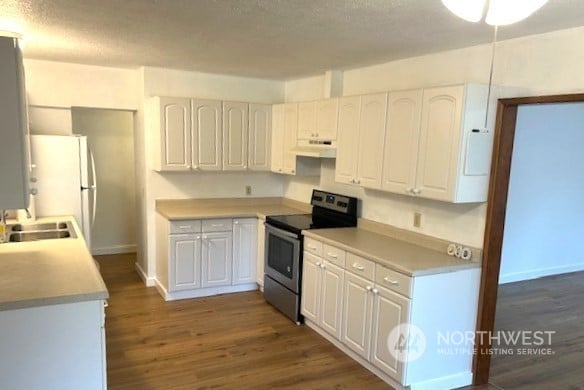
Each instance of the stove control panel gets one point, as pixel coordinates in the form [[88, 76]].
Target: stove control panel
[[336, 202]]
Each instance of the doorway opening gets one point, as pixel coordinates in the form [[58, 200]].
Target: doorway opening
[[110, 136], [505, 136]]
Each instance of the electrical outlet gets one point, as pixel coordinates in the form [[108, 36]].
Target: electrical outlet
[[417, 220], [248, 190]]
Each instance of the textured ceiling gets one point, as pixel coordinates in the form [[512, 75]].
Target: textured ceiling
[[280, 39]]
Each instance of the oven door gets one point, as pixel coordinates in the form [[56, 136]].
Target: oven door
[[282, 257]]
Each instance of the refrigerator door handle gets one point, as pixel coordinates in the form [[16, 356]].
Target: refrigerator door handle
[[93, 186]]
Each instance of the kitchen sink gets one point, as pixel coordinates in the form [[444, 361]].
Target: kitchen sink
[[40, 231], [35, 227], [35, 236]]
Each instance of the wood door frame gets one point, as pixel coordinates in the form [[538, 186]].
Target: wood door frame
[[495, 219]]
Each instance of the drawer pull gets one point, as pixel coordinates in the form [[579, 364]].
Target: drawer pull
[[358, 267], [389, 281], [185, 227], [217, 225], [312, 248], [334, 256]]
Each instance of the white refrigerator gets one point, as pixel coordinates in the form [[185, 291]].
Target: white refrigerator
[[63, 179]]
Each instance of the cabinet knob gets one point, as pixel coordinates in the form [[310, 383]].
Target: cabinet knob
[[416, 191], [198, 237], [293, 171], [195, 167], [369, 288], [409, 190], [245, 167], [323, 266], [375, 291], [318, 263], [279, 169], [357, 181]]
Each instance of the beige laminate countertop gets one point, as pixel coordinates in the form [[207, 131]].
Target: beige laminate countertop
[[401, 256], [228, 208], [48, 272]]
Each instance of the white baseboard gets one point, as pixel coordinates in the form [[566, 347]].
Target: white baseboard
[[202, 292], [539, 273], [148, 281], [113, 250]]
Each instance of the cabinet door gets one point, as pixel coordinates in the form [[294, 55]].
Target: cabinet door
[[357, 304], [235, 136], [277, 138], [261, 243], [244, 250], [402, 132], [348, 139], [439, 136], [331, 299], [306, 120], [260, 140], [290, 130], [389, 310], [15, 148], [217, 259], [371, 140], [327, 113], [311, 287], [185, 262], [207, 134], [175, 128]]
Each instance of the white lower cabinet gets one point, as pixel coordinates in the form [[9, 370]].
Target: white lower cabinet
[[389, 310], [357, 303], [205, 257], [322, 293], [217, 259], [261, 251], [245, 232], [185, 262], [60, 346]]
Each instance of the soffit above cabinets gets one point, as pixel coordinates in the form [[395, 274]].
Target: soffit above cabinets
[[256, 38]]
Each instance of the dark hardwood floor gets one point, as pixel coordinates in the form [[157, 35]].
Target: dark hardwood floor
[[230, 341], [554, 303], [238, 341]]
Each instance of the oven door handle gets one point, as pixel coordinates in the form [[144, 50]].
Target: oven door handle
[[280, 231]]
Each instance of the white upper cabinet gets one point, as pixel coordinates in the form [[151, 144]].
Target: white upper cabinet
[[327, 113], [277, 163], [348, 139], [307, 120], [436, 146], [371, 140], [235, 136], [402, 131], [260, 140], [439, 142], [173, 116], [318, 120], [290, 137], [207, 134]]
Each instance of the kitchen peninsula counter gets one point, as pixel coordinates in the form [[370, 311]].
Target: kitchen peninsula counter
[[48, 272]]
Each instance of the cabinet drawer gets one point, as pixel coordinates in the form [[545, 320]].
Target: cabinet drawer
[[178, 227], [334, 255], [393, 280], [360, 266], [217, 225], [313, 246]]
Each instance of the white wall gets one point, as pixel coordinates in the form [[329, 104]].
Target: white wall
[[542, 64], [165, 82], [543, 233], [110, 135], [54, 87]]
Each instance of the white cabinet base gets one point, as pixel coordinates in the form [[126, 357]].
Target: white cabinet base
[[447, 382], [202, 292]]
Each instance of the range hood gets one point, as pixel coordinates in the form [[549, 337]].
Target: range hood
[[316, 149]]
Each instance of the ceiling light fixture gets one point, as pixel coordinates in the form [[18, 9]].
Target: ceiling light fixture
[[498, 12]]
